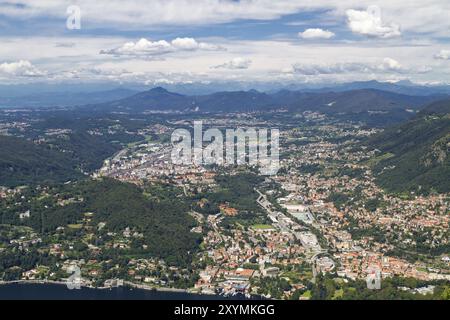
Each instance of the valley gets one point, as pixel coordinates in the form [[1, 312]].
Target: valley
[[126, 212]]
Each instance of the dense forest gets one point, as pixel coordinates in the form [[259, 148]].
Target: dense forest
[[87, 150], [89, 138], [238, 191], [165, 223], [23, 162], [327, 288], [69, 144]]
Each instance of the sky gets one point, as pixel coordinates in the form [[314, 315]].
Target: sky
[[157, 42]]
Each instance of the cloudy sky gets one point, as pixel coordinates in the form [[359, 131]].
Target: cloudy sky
[[181, 41]]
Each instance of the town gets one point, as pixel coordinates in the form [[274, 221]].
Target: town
[[321, 214]]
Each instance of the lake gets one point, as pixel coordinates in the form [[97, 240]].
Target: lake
[[60, 292]]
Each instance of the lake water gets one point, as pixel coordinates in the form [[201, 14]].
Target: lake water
[[60, 292]]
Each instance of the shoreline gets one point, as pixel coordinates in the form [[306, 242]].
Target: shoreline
[[127, 284], [130, 286]]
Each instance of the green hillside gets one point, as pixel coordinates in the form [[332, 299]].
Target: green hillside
[[415, 156], [164, 222], [23, 162]]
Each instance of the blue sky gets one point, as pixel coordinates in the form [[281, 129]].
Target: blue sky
[[181, 41]]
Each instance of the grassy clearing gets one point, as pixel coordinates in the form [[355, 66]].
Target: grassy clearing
[[262, 227], [75, 226], [376, 160]]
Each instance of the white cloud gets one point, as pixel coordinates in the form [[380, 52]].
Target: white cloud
[[190, 44], [268, 58], [142, 47], [443, 55], [236, 63], [369, 23], [148, 48], [316, 34], [388, 65], [428, 17], [22, 68], [156, 12]]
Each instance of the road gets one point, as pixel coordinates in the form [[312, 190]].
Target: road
[[286, 224]]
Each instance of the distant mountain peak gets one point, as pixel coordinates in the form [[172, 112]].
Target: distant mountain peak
[[159, 90]]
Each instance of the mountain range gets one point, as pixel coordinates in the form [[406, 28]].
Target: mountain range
[[402, 87], [63, 99], [370, 105], [63, 95]]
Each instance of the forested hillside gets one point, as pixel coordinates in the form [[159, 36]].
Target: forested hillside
[[415, 156], [84, 206], [23, 162]]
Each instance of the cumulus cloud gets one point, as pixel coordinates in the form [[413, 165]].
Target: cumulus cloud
[[369, 23], [388, 65], [421, 16], [22, 68], [316, 34], [190, 44], [443, 55], [235, 64], [148, 48]]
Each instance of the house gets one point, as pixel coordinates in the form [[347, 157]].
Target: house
[[271, 272], [228, 211]]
